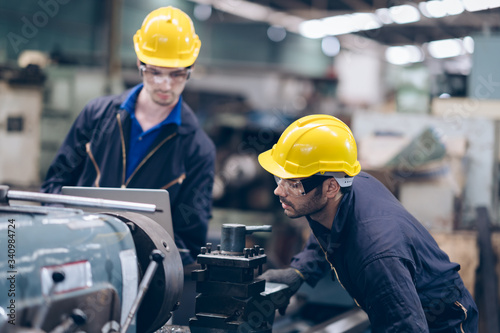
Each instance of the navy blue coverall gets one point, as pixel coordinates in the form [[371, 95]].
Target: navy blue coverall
[[181, 160], [389, 263]]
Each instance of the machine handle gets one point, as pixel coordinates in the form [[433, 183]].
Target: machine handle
[[6, 195], [57, 277], [156, 257], [253, 228]]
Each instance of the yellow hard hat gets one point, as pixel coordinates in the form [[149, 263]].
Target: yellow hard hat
[[167, 39], [315, 144]]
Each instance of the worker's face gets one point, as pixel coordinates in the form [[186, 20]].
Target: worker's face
[[300, 205], [164, 85]]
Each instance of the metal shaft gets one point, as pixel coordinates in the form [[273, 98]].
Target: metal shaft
[[156, 258], [80, 201]]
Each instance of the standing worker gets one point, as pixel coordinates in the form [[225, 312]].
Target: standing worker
[[384, 258], [148, 137]]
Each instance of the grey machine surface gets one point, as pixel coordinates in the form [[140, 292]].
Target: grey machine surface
[[158, 197], [65, 270]]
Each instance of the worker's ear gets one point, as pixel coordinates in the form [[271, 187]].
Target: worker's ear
[[332, 187], [138, 63]]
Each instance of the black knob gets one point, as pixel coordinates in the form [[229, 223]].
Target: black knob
[[157, 256]]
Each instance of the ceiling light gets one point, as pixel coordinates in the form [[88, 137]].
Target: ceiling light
[[276, 33], [384, 16], [338, 25], [445, 48], [435, 9], [246, 9], [404, 14], [468, 44], [453, 7], [365, 21], [476, 5], [312, 29], [330, 46], [202, 12], [403, 55]]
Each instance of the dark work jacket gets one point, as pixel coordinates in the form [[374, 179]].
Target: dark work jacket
[[388, 262], [181, 160]]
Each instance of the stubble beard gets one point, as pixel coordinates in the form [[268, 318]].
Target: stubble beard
[[310, 207]]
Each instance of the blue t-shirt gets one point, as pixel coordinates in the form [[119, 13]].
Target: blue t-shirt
[[140, 141]]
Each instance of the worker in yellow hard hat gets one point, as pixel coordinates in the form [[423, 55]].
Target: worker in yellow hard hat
[[148, 137], [384, 258]]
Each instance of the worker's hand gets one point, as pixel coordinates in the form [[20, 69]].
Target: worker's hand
[[289, 276]]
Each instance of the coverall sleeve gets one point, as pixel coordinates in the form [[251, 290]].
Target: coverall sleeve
[[311, 262], [192, 209], [390, 297], [69, 159]]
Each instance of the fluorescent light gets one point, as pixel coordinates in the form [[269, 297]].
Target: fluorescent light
[[453, 7], [403, 55], [436, 9], [365, 21], [338, 25], [475, 5], [246, 9], [441, 8], [445, 48], [384, 16], [312, 29], [468, 44], [404, 14]]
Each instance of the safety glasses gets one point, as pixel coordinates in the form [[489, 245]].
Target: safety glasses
[[300, 187], [157, 77]]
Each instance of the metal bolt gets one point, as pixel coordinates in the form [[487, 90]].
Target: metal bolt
[[203, 250], [209, 247], [261, 251]]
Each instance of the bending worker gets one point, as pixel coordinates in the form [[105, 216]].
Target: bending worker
[[379, 252], [147, 137]]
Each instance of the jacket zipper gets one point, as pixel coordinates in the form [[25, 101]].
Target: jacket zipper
[[457, 303], [124, 154], [144, 160], [333, 268], [89, 152], [178, 180]]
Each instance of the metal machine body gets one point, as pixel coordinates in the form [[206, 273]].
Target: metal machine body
[[63, 270], [231, 299]]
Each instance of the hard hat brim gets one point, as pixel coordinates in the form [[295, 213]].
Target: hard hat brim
[[269, 164]]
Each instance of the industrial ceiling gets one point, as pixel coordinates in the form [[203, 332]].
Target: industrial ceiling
[[474, 16]]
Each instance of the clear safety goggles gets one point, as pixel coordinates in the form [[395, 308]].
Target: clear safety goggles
[[300, 187], [157, 77]]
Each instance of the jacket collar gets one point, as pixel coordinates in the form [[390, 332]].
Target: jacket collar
[[189, 121], [331, 239]]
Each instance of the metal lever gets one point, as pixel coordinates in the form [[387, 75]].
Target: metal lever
[[6, 195], [156, 257], [75, 320], [253, 228], [57, 277]]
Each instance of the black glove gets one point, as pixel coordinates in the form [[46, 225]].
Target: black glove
[[289, 276]]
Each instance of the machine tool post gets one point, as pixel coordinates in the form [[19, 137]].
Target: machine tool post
[[57, 277], [156, 257]]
